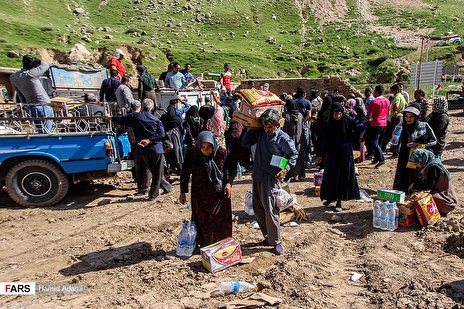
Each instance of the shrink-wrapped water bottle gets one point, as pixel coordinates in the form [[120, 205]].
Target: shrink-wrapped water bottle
[[384, 215], [376, 214], [397, 215]]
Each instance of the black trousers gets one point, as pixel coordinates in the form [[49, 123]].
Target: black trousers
[[147, 163]]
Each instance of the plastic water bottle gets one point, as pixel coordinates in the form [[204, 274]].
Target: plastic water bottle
[[390, 217], [191, 239], [383, 215], [396, 215], [229, 287], [376, 214], [239, 170], [183, 240], [395, 140]]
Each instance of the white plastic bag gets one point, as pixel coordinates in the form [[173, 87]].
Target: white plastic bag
[[283, 199]]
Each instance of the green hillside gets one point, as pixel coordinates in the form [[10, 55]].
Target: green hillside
[[208, 33]]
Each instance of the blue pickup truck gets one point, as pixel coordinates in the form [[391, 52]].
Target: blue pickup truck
[[37, 168]]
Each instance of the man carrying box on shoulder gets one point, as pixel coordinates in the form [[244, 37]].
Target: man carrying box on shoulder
[[271, 144]]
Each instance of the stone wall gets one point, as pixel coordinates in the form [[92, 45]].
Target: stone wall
[[289, 85]]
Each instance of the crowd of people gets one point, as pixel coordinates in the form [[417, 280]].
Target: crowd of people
[[204, 143]]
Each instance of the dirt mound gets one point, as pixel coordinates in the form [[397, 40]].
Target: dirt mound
[[455, 245]]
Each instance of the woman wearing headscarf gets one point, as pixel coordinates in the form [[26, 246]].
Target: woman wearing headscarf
[[435, 177], [173, 127], [147, 83], [339, 181], [218, 125], [413, 134], [323, 116], [439, 121], [193, 125], [293, 126], [234, 135], [212, 178]]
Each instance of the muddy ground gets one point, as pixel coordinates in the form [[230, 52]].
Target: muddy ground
[[123, 250]]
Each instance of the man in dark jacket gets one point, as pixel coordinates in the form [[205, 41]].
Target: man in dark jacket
[[109, 86], [149, 134]]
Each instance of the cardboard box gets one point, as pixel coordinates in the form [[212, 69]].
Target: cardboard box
[[221, 255], [391, 195], [317, 191], [407, 214], [318, 179]]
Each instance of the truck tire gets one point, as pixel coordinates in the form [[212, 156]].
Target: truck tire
[[36, 183]]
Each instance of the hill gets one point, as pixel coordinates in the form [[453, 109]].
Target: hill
[[359, 39]]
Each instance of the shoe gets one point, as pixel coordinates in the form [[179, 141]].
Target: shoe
[[278, 249], [262, 243], [338, 206], [167, 191], [379, 164], [152, 197], [327, 203], [140, 193]]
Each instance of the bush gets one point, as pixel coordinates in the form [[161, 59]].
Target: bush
[[377, 61], [385, 72]]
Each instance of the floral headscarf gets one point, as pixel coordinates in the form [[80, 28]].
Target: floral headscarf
[[427, 159], [440, 105]]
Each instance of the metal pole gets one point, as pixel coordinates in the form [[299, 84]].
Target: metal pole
[[427, 48], [419, 67], [434, 78]]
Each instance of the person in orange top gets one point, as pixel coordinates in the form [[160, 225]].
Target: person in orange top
[[226, 78], [116, 64]]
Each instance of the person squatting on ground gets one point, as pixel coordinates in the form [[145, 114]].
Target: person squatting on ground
[[339, 181], [269, 141], [433, 176], [31, 92], [212, 178], [413, 134], [149, 134]]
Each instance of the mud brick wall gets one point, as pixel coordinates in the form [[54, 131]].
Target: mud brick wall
[[289, 85]]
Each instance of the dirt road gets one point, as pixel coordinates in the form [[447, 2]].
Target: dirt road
[[123, 250]]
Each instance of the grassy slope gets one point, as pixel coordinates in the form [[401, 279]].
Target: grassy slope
[[230, 35]]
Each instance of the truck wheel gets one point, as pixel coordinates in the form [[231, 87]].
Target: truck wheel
[[36, 183]]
